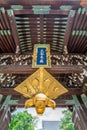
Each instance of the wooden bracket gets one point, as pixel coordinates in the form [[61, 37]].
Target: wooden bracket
[[7, 102]]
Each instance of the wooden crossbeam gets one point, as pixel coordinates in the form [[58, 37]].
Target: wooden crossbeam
[[59, 103], [8, 91], [25, 69], [56, 3], [52, 12]]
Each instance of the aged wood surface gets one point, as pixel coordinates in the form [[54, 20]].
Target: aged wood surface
[[79, 113], [45, 2], [8, 91], [25, 69]]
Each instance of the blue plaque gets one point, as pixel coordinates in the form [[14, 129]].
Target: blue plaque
[[41, 56]]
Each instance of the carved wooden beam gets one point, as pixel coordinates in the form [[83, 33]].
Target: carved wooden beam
[[69, 59], [25, 69]]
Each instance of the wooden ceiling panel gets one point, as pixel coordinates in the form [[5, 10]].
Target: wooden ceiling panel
[[41, 29], [59, 27], [6, 39]]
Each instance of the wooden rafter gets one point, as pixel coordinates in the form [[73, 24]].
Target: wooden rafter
[[27, 29], [68, 27], [78, 39], [41, 28], [13, 27], [6, 38]]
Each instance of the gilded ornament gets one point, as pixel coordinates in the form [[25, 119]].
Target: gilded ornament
[[41, 87]]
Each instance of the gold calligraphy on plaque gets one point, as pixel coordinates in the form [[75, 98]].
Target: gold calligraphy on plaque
[[41, 56]]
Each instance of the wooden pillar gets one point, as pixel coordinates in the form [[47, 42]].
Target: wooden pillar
[[5, 118], [80, 113], [5, 114]]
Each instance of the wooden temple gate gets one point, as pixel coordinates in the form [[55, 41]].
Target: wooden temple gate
[[63, 25]]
